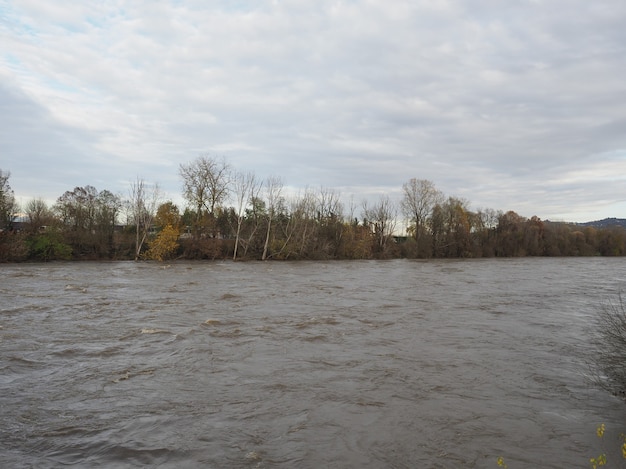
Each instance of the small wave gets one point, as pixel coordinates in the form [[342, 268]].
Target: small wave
[[23, 274], [22, 360], [315, 338], [141, 457], [329, 320], [227, 334], [127, 374], [67, 352], [373, 323], [451, 270], [65, 431], [228, 296], [363, 403], [220, 322], [154, 331]]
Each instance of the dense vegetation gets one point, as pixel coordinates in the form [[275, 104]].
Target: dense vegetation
[[235, 215]]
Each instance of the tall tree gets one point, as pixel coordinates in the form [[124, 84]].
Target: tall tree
[[329, 222], [420, 196], [142, 207], [458, 226], [108, 207], [303, 224], [77, 209], [8, 206], [89, 218], [255, 214], [510, 234], [328, 204], [486, 224], [381, 217], [273, 191], [246, 188], [205, 185], [38, 213]]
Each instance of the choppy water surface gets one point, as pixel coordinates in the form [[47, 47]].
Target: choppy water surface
[[399, 364]]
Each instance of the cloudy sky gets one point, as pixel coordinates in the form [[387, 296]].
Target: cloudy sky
[[513, 105]]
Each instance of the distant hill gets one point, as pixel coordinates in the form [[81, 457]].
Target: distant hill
[[606, 223]]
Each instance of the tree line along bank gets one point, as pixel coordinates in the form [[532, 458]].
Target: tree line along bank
[[235, 215]]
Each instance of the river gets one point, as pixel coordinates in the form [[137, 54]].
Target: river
[[363, 364]]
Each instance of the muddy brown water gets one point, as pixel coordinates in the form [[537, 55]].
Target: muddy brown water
[[373, 364]]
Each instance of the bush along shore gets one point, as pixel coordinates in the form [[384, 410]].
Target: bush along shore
[[232, 215]]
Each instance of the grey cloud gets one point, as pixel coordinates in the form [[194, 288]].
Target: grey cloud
[[38, 151], [490, 100]]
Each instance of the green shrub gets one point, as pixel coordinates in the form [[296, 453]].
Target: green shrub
[[48, 246]]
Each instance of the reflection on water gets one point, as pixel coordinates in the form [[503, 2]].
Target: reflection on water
[[340, 364]]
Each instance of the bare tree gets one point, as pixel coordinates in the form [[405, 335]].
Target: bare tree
[[329, 222], [352, 210], [303, 210], [300, 226], [489, 218], [382, 218], [254, 215], [329, 205], [273, 191], [609, 360], [143, 203], [420, 196], [205, 184], [38, 213], [246, 188]]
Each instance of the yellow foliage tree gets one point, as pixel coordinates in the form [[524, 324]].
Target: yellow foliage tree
[[164, 245]]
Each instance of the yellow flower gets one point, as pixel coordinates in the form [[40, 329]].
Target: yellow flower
[[501, 462], [600, 431], [599, 461], [624, 450]]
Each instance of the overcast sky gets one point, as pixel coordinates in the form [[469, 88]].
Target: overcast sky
[[513, 105]]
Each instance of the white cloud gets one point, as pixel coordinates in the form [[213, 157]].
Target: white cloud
[[503, 103]]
